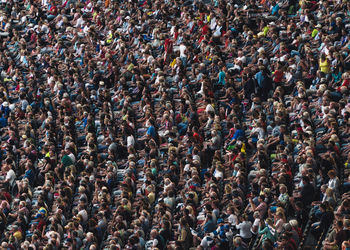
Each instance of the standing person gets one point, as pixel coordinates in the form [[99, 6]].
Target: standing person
[[183, 53], [264, 83], [245, 228], [168, 49], [333, 182], [185, 237], [325, 64]]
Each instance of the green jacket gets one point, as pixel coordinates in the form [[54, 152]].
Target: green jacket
[[268, 233]]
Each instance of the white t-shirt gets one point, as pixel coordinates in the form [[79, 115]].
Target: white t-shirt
[[217, 31], [182, 49], [334, 184], [244, 229], [130, 141], [206, 242], [259, 131], [83, 214], [80, 22], [209, 108], [213, 23], [232, 219], [11, 176], [71, 155], [256, 222], [243, 59]]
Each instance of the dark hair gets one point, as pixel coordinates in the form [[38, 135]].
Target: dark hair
[[340, 223], [306, 179]]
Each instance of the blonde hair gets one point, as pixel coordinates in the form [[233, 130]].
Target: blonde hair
[[329, 192]]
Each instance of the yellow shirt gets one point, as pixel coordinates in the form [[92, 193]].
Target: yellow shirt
[[151, 197], [18, 235], [324, 66], [265, 30]]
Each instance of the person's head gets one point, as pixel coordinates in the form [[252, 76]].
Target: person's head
[[324, 188], [183, 222], [287, 227], [261, 198], [237, 241], [209, 217], [269, 222], [329, 192], [284, 240], [339, 225], [293, 223], [331, 174], [154, 233], [256, 215], [283, 189], [305, 179], [280, 215], [89, 236], [267, 245]]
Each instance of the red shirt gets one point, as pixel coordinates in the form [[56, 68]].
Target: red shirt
[[168, 45], [278, 76], [53, 10], [41, 224], [344, 84], [205, 29]]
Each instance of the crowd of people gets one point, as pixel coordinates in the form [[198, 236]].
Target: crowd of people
[[184, 124]]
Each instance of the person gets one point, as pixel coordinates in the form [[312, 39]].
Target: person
[[244, 228], [339, 237], [10, 177], [185, 236], [239, 244], [267, 231], [325, 220], [324, 64], [333, 182], [307, 192], [158, 240], [208, 224]]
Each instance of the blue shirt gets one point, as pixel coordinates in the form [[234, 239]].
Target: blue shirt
[[151, 131], [209, 226], [222, 77], [29, 174], [85, 121], [238, 134], [275, 10], [259, 78], [3, 122]]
